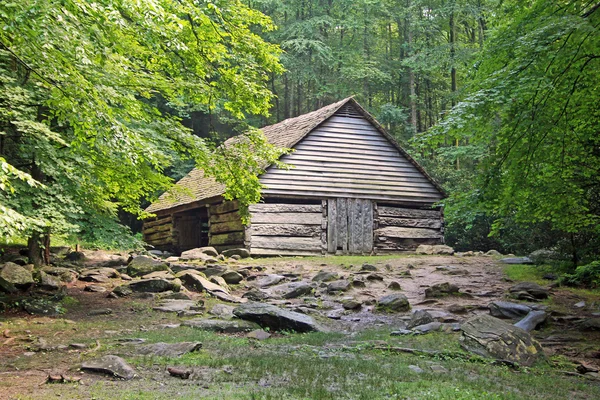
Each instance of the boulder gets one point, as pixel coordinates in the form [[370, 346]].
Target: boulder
[[232, 277], [222, 311], [275, 318], [269, 280], [351, 304], [419, 317], [531, 320], [143, 265], [153, 286], [292, 290], [197, 283], [441, 290], [214, 270], [543, 255], [222, 326], [393, 303], [111, 365], [14, 277], [590, 324], [338, 286], [394, 286], [241, 252], [528, 291], [42, 306], [49, 282], [516, 260], [432, 326], [505, 309], [169, 349], [325, 276], [493, 338], [493, 253], [368, 267], [255, 295], [434, 249], [121, 291], [95, 289], [196, 255], [220, 281], [66, 275]]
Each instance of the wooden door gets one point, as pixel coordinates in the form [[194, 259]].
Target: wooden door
[[349, 226]]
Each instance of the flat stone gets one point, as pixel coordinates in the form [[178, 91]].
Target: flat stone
[[457, 309], [143, 265], [335, 314], [434, 250], [325, 276], [268, 280], [394, 286], [153, 285], [368, 267], [66, 275], [169, 349], [110, 365], [341, 285], [232, 277], [351, 304], [393, 303], [590, 324], [220, 281], [429, 327], [14, 277], [100, 311], [581, 304], [292, 290], [275, 318], [531, 320], [176, 306], [415, 369], [49, 282], [493, 338], [196, 255], [220, 325], [532, 289], [517, 260], [403, 332], [419, 317], [222, 311], [452, 270], [197, 283], [241, 252], [95, 289], [214, 270], [255, 295], [159, 274], [441, 290], [506, 309], [258, 334]]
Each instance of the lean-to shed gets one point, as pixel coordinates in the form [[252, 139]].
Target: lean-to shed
[[352, 190]]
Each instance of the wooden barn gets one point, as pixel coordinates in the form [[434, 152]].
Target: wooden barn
[[352, 190]]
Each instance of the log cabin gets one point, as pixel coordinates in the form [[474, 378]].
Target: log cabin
[[352, 190]]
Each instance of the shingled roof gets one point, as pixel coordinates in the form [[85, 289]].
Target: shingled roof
[[286, 134]]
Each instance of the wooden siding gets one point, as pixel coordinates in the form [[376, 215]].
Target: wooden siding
[[347, 157], [349, 226], [286, 229], [225, 228], [404, 229], [158, 232]]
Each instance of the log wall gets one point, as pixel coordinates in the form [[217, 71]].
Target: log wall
[[157, 232], [225, 228], [286, 229], [404, 229]]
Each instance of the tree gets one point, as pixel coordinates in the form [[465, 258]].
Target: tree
[[79, 128]]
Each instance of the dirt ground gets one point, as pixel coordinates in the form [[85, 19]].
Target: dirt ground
[[66, 340]]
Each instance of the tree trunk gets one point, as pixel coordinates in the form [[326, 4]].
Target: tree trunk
[[35, 250], [411, 75]]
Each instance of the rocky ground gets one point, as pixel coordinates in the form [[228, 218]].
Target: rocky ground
[[96, 322]]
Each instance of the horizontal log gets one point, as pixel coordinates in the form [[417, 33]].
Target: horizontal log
[[271, 252], [285, 208], [156, 229], [224, 227], [221, 248], [225, 207], [157, 236], [287, 218], [285, 230], [226, 238], [287, 243], [407, 212], [161, 242], [217, 218], [155, 222], [410, 223], [408, 233]]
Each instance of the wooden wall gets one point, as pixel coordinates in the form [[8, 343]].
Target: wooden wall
[[157, 232], [347, 157], [286, 229], [404, 229], [225, 230]]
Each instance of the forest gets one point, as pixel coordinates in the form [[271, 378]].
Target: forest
[[104, 104]]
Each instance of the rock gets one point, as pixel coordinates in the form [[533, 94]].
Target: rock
[[491, 337], [214, 270], [222, 311], [175, 296], [95, 288], [196, 255], [269, 280], [516, 260], [258, 334], [222, 326], [292, 290], [505, 309], [493, 253], [275, 318], [403, 332], [177, 306], [121, 291], [457, 309], [189, 271], [531, 320], [65, 275], [255, 295], [358, 283], [335, 314], [197, 283], [419, 317], [368, 267], [394, 286], [232, 277], [374, 277], [219, 281], [325, 276], [49, 282], [159, 274], [241, 252], [415, 369], [14, 277], [169, 349], [438, 369], [528, 291], [351, 304], [75, 256], [428, 327], [452, 270], [111, 365], [338, 286], [590, 324], [581, 304], [393, 303], [42, 306], [143, 265], [153, 286], [434, 249], [543, 255], [441, 290]]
